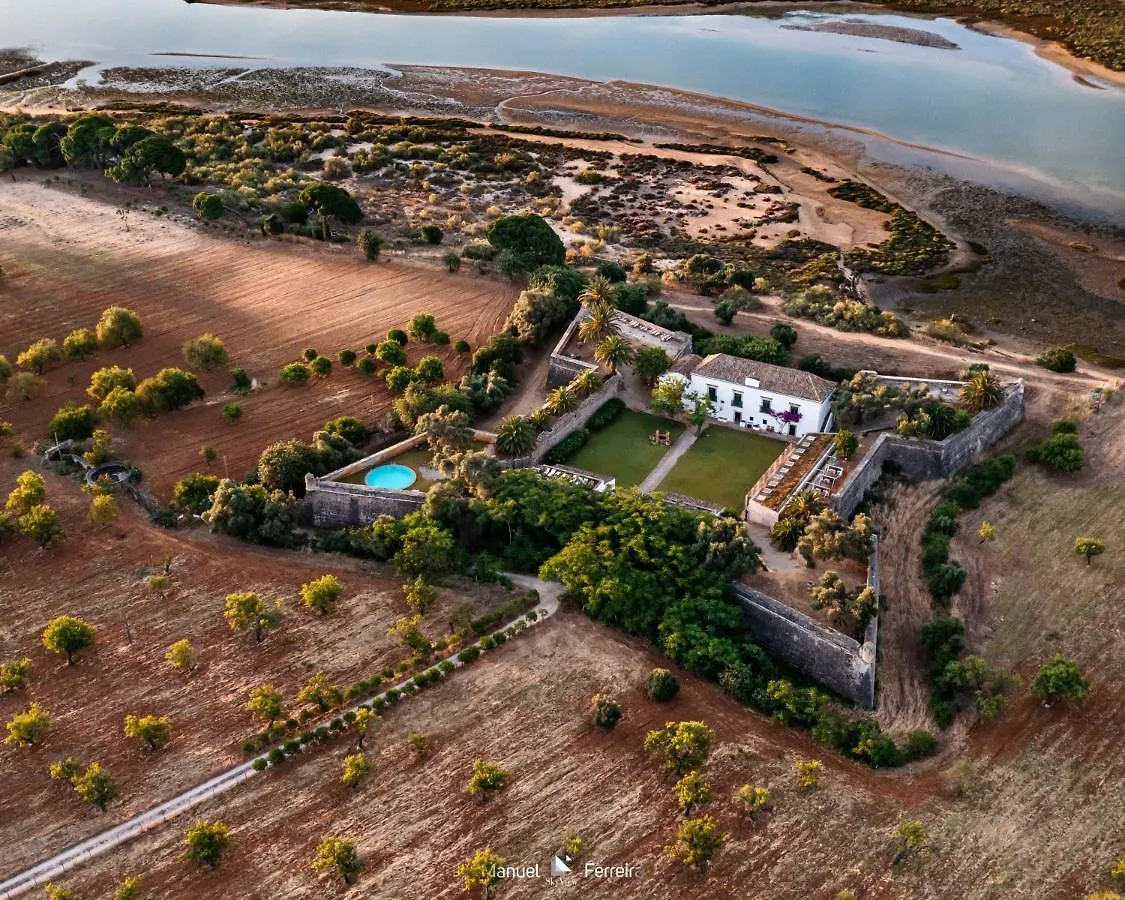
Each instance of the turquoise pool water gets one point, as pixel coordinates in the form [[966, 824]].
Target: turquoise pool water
[[391, 476]]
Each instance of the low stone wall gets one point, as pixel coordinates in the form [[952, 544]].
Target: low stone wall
[[838, 662], [572, 421], [930, 459]]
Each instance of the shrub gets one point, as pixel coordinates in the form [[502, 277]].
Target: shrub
[[73, 422], [369, 244], [321, 366], [259, 765], [452, 261], [431, 234], [441, 338], [568, 446], [169, 390], [295, 373], [469, 654], [845, 444], [1061, 452], [422, 327], [605, 414], [461, 346], [276, 756], [118, 327], [607, 711], [232, 412], [1060, 678], [1058, 359], [487, 779], [39, 356], [366, 365], [919, 744], [81, 343], [208, 207], [346, 357], [662, 685], [104, 381]]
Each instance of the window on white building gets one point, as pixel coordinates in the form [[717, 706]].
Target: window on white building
[[737, 401], [712, 393], [766, 408]]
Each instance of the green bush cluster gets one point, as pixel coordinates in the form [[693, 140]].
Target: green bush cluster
[[568, 446], [943, 634], [605, 414]]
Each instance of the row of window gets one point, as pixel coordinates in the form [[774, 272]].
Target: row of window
[[713, 396]]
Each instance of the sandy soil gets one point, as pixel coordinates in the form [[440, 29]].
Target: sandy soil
[[68, 257], [125, 673]]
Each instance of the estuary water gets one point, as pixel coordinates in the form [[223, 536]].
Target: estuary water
[[991, 99]]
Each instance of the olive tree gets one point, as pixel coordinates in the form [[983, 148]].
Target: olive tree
[[338, 855], [68, 635], [95, 786], [487, 779], [39, 356], [13, 675], [266, 703], [1089, 547], [692, 791], [248, 611], [30, 491], [320, 692], [698, 842], [153, 731], [206, 842], [1060, 678], [321, 593], [481, 871], [181, 655], [684, 746], [28, 728], [119, 327], [356, 768], [206, 352]]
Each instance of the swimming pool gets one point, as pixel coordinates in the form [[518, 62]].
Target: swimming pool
[[391, 476]]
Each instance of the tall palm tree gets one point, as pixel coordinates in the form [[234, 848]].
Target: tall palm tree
[[598, 323], [614, 351], [589, 382], [982, 391], [804, 506], [515, 436], [598, 289], [561, 401]]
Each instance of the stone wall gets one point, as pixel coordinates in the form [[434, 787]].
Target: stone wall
[[562, 369], [331, 504], [838, 662], [572, 421], [930, 459]]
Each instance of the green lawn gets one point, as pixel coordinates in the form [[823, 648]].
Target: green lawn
[[623, 450], [722, 465]]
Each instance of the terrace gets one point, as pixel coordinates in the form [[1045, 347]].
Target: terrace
[[792, 472]]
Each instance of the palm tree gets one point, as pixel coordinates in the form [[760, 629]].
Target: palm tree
[[589, 382], [598, 323], [561, 401], [539, 419], [982, 391], [515, 436], [598, 289], [804, 506], [614, 351]]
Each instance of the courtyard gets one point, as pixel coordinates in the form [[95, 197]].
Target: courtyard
[[624, 450], [722, 465]]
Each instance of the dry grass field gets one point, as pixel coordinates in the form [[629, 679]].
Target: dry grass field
[[67, 257]]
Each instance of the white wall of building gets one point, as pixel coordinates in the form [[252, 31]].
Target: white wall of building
[[743, 404]]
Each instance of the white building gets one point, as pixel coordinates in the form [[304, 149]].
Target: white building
[[755, 394]]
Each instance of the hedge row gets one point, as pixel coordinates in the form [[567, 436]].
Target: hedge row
[[605, 414], [568, 446], [942, 635]]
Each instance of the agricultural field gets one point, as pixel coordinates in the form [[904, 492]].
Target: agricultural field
[[108, 585], [66, 257]]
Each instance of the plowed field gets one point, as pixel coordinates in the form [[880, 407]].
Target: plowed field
[[66, 257]]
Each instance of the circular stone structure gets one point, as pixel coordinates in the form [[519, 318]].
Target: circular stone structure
[[392, 476]]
